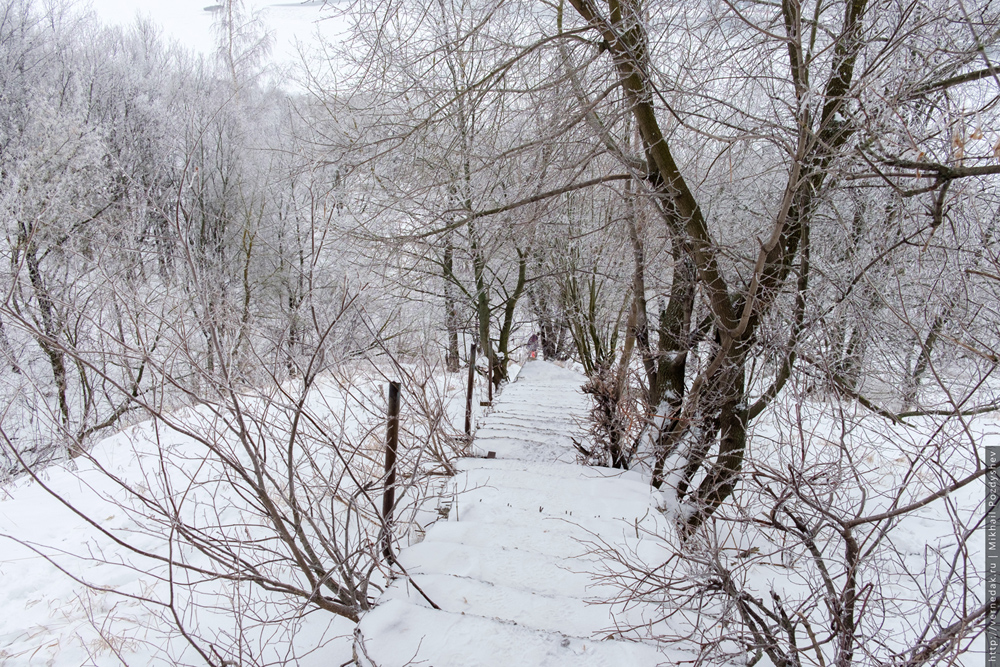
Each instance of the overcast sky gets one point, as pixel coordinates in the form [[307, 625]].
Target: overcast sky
[[187, 22]]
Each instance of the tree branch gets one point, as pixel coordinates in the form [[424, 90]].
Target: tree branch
[[956, 80], [518, 204], [944, 171]]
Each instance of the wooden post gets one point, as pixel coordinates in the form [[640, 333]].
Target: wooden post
[[468, 393], [391, 445]]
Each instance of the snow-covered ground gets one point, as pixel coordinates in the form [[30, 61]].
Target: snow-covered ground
[[82, 547], [108, 605], [540, 561]]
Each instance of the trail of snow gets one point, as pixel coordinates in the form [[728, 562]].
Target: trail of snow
[[514, 569]]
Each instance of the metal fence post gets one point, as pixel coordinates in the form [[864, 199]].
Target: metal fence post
[[489, 378], [391, 445], [468, 393]]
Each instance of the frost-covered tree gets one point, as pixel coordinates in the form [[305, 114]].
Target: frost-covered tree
[[812, 187]]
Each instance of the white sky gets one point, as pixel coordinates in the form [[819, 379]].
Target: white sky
[[187, 22]]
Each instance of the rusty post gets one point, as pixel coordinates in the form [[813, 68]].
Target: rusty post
[[468, 393], [391, 445]]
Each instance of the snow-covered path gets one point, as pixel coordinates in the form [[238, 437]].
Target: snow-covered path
[[515, 569]]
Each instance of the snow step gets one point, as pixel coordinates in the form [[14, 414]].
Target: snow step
[[413, 634], [523, 570], [550, 613]]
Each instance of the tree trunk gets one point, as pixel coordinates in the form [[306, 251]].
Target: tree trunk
[[732, 421], [7, 349], [923, 361], [450, 309], [507, 326], [48, 341]]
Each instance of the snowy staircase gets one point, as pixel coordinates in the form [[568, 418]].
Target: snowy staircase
[[522, 569]]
